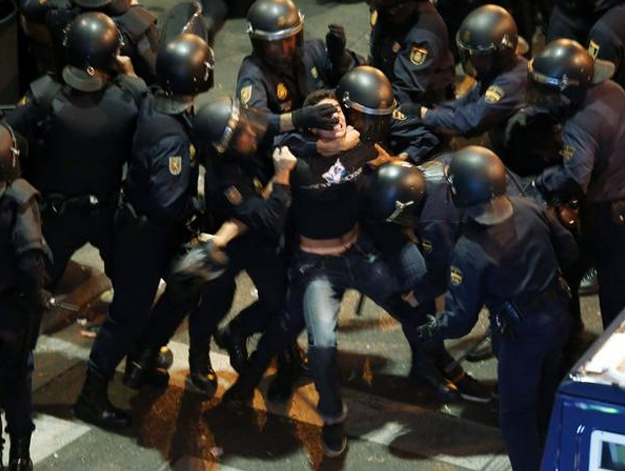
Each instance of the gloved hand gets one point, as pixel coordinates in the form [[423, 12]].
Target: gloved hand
[[429, 329], [318, 116], [200, 263], [335, 43]]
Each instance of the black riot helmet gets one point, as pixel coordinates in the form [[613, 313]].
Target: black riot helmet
[[276, 29], [10, 150], [475, 176], [487, 40], [394, 193], [92, 43], [560, 75], [396, 11], [185, 66], [366, 96], [230, 127]]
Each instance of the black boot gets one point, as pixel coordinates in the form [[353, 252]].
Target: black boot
[[19, 456], [231, 339], [93, 404], [242, 391], [202, 378], [141, 369], [425, 374], [289, 369]]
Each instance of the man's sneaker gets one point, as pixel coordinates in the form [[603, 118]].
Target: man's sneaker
[[473, 390], [589, 285], [333, 440]]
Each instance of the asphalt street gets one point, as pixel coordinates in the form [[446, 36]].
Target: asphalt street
[[392, 425]]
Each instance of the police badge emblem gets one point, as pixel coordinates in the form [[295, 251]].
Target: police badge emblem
[[455, 276], [418, 55], [593, 49], [494, 94], [281, 92], [246, 94], [175, 165]]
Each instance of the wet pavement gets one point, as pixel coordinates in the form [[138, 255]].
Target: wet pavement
[[391, 425]]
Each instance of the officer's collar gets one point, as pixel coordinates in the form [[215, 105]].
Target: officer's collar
[[83, 81], [171, 104]]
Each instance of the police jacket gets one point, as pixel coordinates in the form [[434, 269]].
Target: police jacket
[[162, 175], [485, 108], [278, 92], [79, 141], [408, 135], [238, 188], [415, 55], [606, 40], [594, 146], [22, 246], [515, 260]]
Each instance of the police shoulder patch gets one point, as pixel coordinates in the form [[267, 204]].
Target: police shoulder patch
[[314, 72], [493, 94], [192, 152], [233, 195], [398, 115], [593, 49], [396, 47], [373, 18], [567, 152], [418, 55], [281, 91], [246, 94], [427, 246], [175, 165], [455, 276]]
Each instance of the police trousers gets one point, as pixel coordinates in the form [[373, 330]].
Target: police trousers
[[16, 367], [529, 369], [142, 258], [264, 265]]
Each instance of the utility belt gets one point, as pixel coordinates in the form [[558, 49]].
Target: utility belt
[[57, 204], [517, 311]]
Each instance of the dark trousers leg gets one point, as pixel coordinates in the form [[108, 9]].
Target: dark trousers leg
[[15, 376], [140, 263]]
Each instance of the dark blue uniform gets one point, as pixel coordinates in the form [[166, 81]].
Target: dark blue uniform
[[22, 274], [594, 144], [160, 198], [260, 86], [485, 108], [233, 190], [414, 55], [603, 33], [79, 144], [512, 269]]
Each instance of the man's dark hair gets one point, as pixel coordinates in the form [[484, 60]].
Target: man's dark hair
[[318, 95]]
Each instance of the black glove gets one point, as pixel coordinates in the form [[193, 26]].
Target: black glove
[[429, 329], [318, 116], [198, 264], [335, 43], [34, 302]]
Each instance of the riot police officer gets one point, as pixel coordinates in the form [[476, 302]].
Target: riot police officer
[[487, 42], [409, 43], [367, 100], [247, 225], [567, 83], [597, 24], [22, 299], [81, 136], [284, 69], [507, 259], [159, 201]]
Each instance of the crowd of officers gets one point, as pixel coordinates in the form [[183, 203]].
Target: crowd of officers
[[326, 172]]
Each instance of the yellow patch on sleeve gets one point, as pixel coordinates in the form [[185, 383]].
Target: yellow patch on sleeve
[[455, 276], [281, 91], [398, 115], [494, 94], [593, 49], [175, 165], [246, 94], [373, 18], [418, 55]]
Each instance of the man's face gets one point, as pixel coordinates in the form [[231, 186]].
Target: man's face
[[340, 129], [282, 52], [246, 142]]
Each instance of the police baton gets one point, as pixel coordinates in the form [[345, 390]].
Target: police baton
[[64, 305], [479, 344]]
